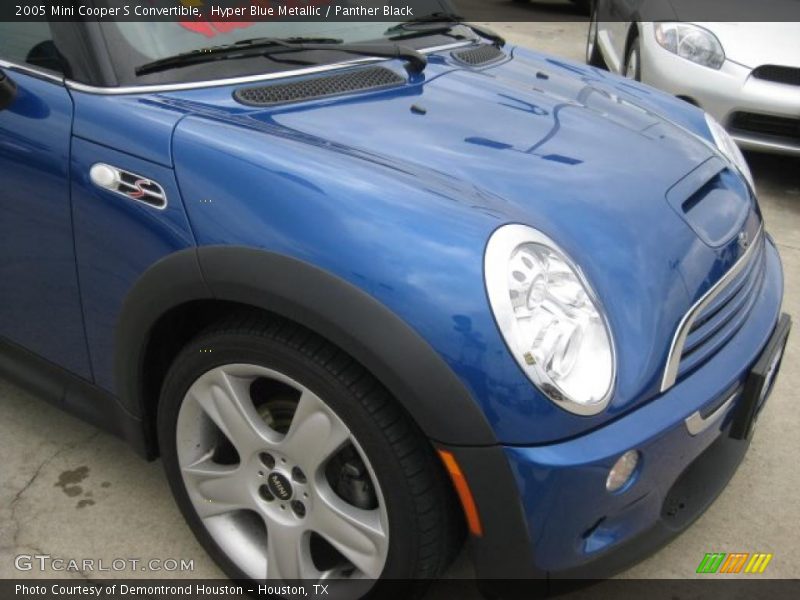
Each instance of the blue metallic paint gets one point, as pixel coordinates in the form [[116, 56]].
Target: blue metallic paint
[[116, 241], [138, 125], [400, 205], [39, 291], [556, 480], [415, 197]]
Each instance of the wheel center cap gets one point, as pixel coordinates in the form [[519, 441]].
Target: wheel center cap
[[279, 486]]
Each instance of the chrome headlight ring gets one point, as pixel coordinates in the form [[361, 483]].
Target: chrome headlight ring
[[551, 319]]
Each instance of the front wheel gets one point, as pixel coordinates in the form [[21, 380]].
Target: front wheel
[[289, 461]]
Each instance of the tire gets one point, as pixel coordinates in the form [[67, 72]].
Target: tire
[[633, 60], [594, 56], [241, 377]]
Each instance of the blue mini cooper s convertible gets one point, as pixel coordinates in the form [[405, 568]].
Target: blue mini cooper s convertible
[[370, 288]]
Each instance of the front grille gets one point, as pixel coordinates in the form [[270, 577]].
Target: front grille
[[783, 128], [778, 74], [322, 86], [719, 320], [480, 56]]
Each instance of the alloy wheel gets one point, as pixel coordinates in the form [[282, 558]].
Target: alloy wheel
[[277, 478]]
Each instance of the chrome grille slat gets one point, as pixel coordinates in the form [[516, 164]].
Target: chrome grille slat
[[696, 359], [725, 297], [714, 299], [693, 360], [709, 326]]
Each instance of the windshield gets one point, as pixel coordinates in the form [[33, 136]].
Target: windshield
[[132, 44], [159, 40]]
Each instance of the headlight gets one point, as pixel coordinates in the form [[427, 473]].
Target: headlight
[[691, 42], [730, 150], [550, 318]]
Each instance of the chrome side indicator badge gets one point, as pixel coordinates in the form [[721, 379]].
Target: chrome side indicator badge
[[130, 185]]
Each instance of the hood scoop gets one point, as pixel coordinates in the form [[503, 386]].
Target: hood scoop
[[320, 86], [480, 56], [713, 201]]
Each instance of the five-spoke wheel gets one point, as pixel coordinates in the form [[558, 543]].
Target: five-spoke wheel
[[290, 461], [252, 440]]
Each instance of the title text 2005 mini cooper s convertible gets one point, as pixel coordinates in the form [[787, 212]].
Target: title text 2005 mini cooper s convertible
[[366, 287]]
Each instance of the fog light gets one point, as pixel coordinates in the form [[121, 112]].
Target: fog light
[[622, 471]]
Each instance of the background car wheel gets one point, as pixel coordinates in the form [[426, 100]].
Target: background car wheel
[[633, 61], [593, 55], [290, 461]]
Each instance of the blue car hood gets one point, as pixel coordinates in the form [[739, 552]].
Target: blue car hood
[[583, 156]]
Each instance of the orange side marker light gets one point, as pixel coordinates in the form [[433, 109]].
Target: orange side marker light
[[463, 491]]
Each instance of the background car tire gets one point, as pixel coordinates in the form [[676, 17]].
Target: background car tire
[[425, 523], [593, 55], [633, 60]]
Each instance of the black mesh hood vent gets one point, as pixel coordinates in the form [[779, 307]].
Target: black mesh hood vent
[[323, 86], [477, 57]]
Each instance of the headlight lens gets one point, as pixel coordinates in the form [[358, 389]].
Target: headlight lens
[[691, 42], [550, 319], [729, 149]]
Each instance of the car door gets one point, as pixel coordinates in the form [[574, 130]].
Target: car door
[[40, 306]]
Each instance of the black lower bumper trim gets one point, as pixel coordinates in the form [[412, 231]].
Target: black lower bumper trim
[[760, 380], [689, 497], [505, 552]]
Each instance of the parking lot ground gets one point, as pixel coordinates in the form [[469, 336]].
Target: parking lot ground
[[69, 490]]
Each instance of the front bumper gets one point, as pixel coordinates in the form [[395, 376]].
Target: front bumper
[[760, 114], [545, 510]]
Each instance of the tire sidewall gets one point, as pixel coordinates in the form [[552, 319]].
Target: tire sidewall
[[239, 349], [636, 50], [594, 56], [591, 39]]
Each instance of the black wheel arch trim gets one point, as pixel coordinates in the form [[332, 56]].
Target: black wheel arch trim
[[344, 314], [504, 552]]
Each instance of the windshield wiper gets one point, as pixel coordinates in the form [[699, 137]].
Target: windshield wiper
[[440, 22], [240, 49], [268, 46]]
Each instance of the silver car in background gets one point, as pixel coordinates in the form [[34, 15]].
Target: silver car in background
[[746, 75]]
